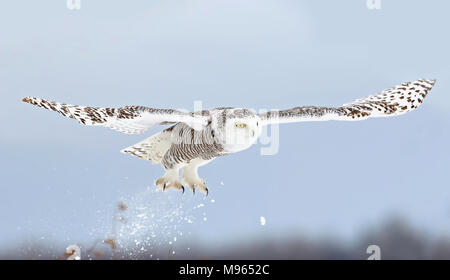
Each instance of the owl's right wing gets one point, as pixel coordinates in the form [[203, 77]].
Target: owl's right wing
[[391, 102], [128, 119]]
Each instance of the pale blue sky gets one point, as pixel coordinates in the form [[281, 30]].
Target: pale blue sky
[[60, 180]]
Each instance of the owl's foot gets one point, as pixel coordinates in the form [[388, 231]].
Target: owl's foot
[[191, 178], [169, 180], [195, 183]]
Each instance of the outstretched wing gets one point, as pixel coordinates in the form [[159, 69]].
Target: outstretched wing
[[391, 102], [128, 119]]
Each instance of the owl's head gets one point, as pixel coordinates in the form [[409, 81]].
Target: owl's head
[[242, 127]]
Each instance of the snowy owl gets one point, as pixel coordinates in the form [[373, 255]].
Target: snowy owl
[[194, 139]]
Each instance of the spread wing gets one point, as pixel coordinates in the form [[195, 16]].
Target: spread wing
[[128, 119], [391, 102]]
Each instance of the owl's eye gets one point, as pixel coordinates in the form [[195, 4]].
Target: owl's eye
[[241, 125]]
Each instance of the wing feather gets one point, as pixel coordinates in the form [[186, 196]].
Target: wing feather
[[128, 119], [391, 102]]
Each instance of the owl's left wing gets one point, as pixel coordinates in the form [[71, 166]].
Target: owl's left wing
[[391, 102]]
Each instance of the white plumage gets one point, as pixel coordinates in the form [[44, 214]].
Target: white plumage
[[194, 139]]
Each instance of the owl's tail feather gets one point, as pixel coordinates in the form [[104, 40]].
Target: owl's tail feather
[[152, 148]]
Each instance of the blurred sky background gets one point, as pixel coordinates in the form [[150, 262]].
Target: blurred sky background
[[61, 181]]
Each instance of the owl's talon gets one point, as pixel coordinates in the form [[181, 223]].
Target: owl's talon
[[167, 183], [191, 178], [197, 186], [201, 187], [160, 182]]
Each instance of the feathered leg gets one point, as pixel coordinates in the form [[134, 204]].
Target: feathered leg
[[190, 175], [170, 180]]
